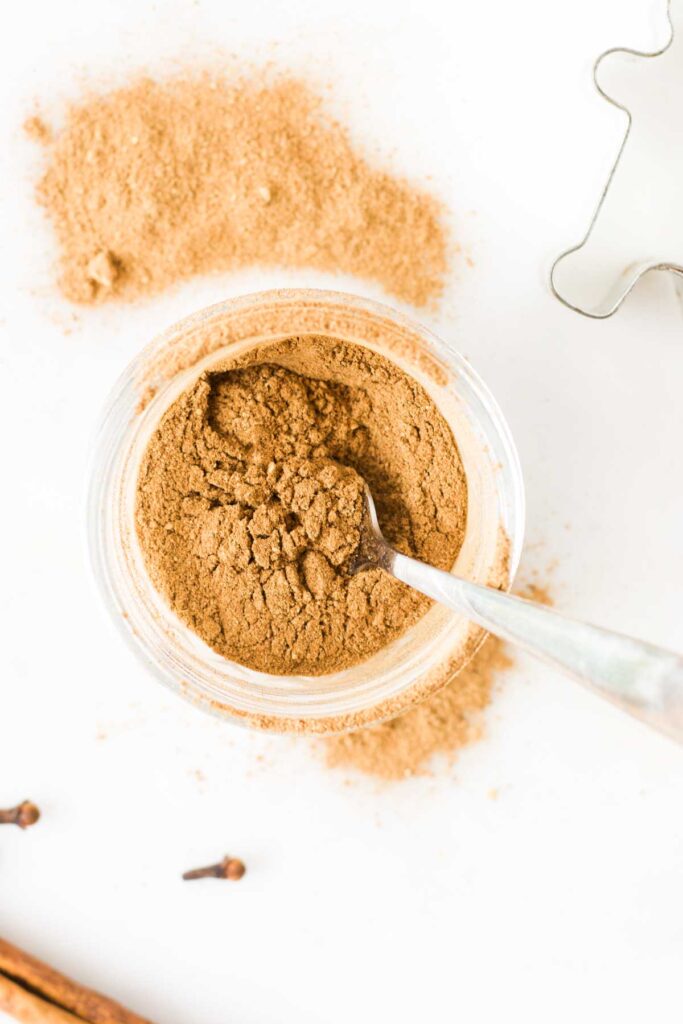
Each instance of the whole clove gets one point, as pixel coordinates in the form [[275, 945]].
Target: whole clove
[[229, 867], [24, 815]]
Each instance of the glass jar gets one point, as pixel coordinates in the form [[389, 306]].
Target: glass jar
[[413, 666]]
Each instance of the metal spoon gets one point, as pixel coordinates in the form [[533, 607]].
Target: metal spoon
[[644, 680]]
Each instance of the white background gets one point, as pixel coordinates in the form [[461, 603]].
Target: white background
[[424, 901]]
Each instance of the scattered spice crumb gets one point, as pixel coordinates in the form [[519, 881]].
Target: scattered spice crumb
[[66, 321], [493, 794], [37, 129], [102, 269], [532, 591], [159, 181]]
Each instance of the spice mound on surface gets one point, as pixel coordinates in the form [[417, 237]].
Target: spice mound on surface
[[248, 503], [159, 181], [442, 724]]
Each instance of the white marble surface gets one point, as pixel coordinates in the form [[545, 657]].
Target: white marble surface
[[560, 900]]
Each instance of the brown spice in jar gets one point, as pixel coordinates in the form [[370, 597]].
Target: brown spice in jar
[[248, 502], [158, 181]]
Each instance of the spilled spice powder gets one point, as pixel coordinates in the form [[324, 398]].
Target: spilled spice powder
[[249, 502], [534, 591], [442, 724], [159, 181]]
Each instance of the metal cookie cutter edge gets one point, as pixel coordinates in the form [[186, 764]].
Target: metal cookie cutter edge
[[646, 267]]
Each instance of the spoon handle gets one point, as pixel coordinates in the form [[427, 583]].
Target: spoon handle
[[645, 680]]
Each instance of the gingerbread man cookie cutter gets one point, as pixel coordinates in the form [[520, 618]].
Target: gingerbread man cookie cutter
[[594, 277]]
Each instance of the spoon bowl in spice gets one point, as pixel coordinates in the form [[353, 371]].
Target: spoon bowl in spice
[[644, 680]]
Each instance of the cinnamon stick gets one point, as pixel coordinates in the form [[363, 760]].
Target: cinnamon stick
[[29, 1008], [33, 987]]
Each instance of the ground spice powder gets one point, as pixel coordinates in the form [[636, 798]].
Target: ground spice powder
[[159, 181], [442, 724], [249, 502]]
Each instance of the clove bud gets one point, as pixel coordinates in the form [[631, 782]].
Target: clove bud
[[229, 867], [24, 815]]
